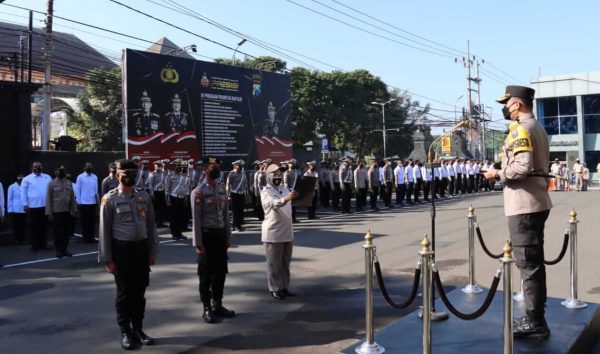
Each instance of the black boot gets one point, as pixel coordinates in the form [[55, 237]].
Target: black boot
[[127, 341], [143, 337], [530, 326], [220, 310], [208, 316]]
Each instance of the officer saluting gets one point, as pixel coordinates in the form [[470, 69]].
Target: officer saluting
[[128, 246], [526, 202], [236, 186], [212, 238]]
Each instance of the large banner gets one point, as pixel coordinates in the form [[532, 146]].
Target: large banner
[[183, 108]]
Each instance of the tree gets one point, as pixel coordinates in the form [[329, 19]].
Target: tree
[[98, 125], [265, 63]]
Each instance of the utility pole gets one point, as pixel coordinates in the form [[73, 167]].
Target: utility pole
[[481, 114], [48, 77], [21, 55], [29, 45]]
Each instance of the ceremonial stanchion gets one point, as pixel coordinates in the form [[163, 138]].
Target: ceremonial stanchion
[[369, 346], [507, 261], [426, 259], [572, 302], [472, 287]]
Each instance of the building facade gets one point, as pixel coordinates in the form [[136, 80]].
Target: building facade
[[568, 107]]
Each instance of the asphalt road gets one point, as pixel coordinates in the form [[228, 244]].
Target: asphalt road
[[67, 305]]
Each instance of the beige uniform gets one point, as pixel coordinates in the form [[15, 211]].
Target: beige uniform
[[525, 150], [578, 171]]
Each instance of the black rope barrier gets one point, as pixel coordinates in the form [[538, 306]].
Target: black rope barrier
[[455, 312], [485, 249], [563, 251], [386, 295]]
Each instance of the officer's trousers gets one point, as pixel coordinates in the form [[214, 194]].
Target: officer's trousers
[[409, 192], [177, 218], [443, 186], [38, 221], [400, 193], [389, 186], [18, 226], [527, 238], [335, 196], [88, 222], [471, 184], [279, 257], [61, 227], [579, 181], [418, 186], [346, 197], [312, 209], [238, 201], [361, 198], [212, 265], [374, 194], [132, 278], [324, 192], [426, 189], [459, 183], [451, 184], [160, 207], [260, 212]]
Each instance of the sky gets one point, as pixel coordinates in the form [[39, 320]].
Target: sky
[[513, 40]]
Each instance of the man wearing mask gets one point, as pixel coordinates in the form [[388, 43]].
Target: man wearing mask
[[361, 184], [236, 186], [418, 174], [388, 177], [451, 177], [34, 190], [15, 209], [211, 238], [400, 182], [324, 186], [86, 193], [60, 206], [277, 232], [334, 182], [555, 171], [110, 182], [409, 168], [290, 176], [177, 190], [527, 203], [345, 177], [128, 246], [156, 188], [311, 171], [374, 183], [578, 172], [141, 181]]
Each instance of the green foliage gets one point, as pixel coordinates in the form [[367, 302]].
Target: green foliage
[[266, 63], [98, 125]]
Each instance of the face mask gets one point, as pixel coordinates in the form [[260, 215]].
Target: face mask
[[113, 171], [178, 170], [88, 170], [19, 181], [214, 174], [277, 181], [62, 174], [37, 170], [128, 179], [506, 112]]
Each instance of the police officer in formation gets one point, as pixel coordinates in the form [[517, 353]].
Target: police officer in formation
[[361, 184], [527, 203], [212, 237], [290, 176], [346, 178], [177, 192], [236, 187], [311, 171], [336, 190], [260, 180], [110, 182], [324, 186], [388, 179], [374, 183], [128, 247], [156, 188], [60, 206]]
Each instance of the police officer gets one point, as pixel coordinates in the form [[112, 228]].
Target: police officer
[[110, 182], [260, 180], [177, 191], [345, 178], [334, 181], [374, 183], [311, 171], [236, 186], [361, 184], [141, 181], [527, 203], [324, 187], [128, 247], [60, 206], [388, 178], [145, 122], [251, 186], [212, 238], [290, 176], [156, 188]]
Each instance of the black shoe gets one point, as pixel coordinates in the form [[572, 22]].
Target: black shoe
[[143, 337], [296, 221], [530, 328], [67, 254], [181, 237], [241, 229], [208, 315], [278, 295], [60, 254], [288, 293], [222, 311], [127, 341]]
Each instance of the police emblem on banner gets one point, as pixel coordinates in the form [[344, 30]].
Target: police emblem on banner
[[169, 75]]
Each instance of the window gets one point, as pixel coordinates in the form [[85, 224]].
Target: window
[[591, 160], [558, 115], [591, 114]]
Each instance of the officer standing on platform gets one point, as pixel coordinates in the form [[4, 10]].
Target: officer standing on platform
[[345, 178], [290, 177], [60, 206], [527, 202], [128, 247], [236, 186], [156, 188], [212, 238], [110, 182], [177, 191]]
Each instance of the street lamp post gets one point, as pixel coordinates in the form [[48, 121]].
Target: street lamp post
[[383, 116], [236, 49], [455, 103]]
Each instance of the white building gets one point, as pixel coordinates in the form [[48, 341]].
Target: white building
[[568, 107]]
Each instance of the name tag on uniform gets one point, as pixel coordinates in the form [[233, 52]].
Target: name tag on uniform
[[209, 200]]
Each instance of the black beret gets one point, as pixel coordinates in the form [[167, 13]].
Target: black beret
[[522, 92], [125, 164]]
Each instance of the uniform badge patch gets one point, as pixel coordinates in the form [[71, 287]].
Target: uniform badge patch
[[197, 200], [104, 200], [142, 213], [520, 139]]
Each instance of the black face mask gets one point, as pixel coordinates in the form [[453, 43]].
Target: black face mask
[[506, 113], [277, 181], [214, 174], [61, 174], [88, 170], [37, 170], [19, 181], [129, 178], [113, 171], [178, 170]]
